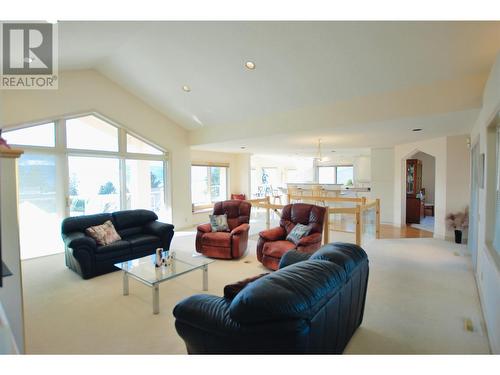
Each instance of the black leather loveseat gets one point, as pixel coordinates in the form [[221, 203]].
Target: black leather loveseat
[[312, 304], [141, 235]]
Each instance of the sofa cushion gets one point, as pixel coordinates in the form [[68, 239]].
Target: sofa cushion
[[276, 249], [294, 292], [142, 239], [220, 239], [115, 250], [144, 243], [133, 218], [80, 223], [346, 255], [129, 232]]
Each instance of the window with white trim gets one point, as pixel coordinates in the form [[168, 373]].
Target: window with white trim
[[336, 174], [208, 185], [78, 166]]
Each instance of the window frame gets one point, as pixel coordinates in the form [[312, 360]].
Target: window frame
[[335, 174], [63, 153], [33, 125], [201, 207], [344, 166]]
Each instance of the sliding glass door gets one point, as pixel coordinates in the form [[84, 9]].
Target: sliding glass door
[[40, 212], [94, 185], [145, 186]]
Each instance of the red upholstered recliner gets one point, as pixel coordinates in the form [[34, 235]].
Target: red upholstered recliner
[[226, 245], [240, 197], [272, 243]]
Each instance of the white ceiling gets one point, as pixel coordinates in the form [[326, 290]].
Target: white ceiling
[[299, 65], [342, 140]]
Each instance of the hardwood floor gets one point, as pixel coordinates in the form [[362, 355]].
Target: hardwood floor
[[389, 231], [347, 225], [386, 231]]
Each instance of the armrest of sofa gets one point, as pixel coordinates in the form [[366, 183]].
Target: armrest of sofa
[[240, 229], [158, 228], [78, 240], [210, 315], [206, 312], [310, 240], [292, 257], [162, 230], [274, 234], [204, 228]]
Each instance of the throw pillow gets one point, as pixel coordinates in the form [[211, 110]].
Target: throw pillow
[[219, 223], [231, 290], [298, 232], [104, 234]]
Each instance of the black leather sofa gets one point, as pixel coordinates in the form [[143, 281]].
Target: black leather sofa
[[141, 235], [313, 304]]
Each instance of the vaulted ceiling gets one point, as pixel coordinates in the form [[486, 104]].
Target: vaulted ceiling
[[354, 84]]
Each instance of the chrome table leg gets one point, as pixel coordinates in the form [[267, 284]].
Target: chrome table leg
[[156, 299], [205, 277], [125, 283]]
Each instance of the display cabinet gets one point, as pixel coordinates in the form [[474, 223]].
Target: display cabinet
[[414, 198]]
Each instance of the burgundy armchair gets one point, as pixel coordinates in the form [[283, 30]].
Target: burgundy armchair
[[226, 245], [272, 244]]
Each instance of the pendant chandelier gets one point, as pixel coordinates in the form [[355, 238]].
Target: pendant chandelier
[[319, 157]]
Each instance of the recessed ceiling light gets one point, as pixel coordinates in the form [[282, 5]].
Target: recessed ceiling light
[[186, 88], [250, 65], [416, 130]]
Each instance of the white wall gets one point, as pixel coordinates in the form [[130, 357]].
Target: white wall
[[11, 294], [362, 169], [488, 261], [458, 174], [382, 181], [89, 91], [243, 165], [428, 174]]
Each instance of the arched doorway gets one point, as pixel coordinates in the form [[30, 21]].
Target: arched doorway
[[420, 183], [435, 148]]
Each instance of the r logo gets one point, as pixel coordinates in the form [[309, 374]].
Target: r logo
[[27, 48]]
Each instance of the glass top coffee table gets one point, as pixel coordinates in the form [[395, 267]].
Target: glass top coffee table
[[144, 270]]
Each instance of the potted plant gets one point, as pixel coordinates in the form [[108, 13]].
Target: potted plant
[[458, 221]]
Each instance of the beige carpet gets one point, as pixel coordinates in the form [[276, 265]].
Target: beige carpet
[[420, 292]]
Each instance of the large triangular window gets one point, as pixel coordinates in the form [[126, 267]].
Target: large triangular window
[[39, 135], [135, 145], [91, 133]]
